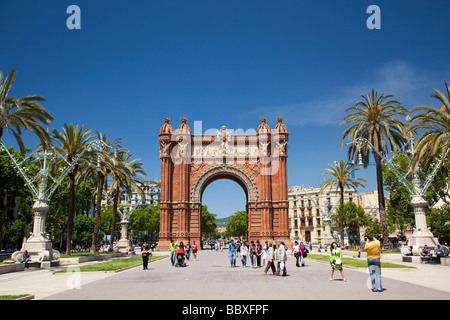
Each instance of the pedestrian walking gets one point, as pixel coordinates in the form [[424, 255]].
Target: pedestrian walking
[[173, 249], [336, 260], [258, 253], [194, 250], [359, 251], [244, 254], [372, 248], [296, 250], [145, 255], [270, 260], [303, 253], [253, 254], [281, 257], [264, 253], [232, 253], [187, 248]]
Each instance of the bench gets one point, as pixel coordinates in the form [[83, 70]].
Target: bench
[[427, 259], [445, 261], [407, 258]]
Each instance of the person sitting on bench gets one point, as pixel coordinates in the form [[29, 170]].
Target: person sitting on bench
[[25, 258], [409, 252], [425, 252], [438, 251]]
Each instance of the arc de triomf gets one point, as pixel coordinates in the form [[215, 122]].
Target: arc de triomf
[[255, 160]]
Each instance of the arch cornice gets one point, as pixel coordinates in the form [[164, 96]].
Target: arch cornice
[[227, 171]]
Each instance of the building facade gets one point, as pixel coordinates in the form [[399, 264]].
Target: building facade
[[369, 202], [307, 206], [152, 194]]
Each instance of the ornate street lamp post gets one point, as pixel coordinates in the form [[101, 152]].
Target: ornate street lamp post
[[421, 235], [124, 244], [327, 237], [38, 244]]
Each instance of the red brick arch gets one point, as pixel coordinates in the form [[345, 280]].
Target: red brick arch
[[255, 160]]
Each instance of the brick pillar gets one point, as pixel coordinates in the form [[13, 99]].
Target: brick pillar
[[280, 137], [265, 200], [182, 165], [165, 148]]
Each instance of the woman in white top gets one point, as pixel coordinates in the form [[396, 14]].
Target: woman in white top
[[264, 252], [296, 250], [244, 254]]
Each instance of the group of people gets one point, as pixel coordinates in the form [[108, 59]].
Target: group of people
[[373, 249], [274, 256], [270, 255], [436, 253], [184, 249]]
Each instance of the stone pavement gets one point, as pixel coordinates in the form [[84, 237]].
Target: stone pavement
[[212, 278]]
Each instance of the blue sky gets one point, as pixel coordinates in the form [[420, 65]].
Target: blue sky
[[224, 62]]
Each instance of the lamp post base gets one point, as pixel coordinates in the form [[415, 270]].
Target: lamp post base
[[39, 251], [418, 241], [124, 245]]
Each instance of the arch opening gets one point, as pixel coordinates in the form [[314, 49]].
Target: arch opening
[[225, 198]]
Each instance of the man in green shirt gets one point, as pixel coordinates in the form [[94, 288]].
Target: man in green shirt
[[173, 248]]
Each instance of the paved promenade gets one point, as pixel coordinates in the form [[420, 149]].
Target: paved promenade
[[212, 278]]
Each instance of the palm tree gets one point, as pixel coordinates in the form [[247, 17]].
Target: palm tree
[[342, 179], [125, 176], [17, 114], [376, 120], [99, 166], [436, 123], [72, 141]]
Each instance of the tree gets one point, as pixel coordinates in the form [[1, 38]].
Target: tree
[[17, 114], [374, 228], [154, 219], [209, 225], [354, 218], [72, 141], [435, 124], [124, 173], [83, 226], [13, 188], [56, 222], [99, 166], [341, 174], [144, 220], [439, 221], [238, 224], [376, 120]]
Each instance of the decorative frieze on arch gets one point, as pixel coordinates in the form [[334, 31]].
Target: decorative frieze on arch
[[224, 171]]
